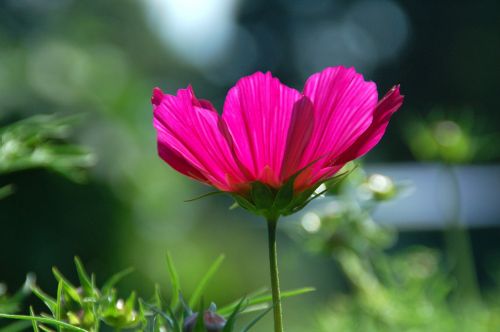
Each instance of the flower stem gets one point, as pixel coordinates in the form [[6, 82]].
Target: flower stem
[[275, 281]]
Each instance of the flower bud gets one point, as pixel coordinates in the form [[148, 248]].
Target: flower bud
[[211, 320]]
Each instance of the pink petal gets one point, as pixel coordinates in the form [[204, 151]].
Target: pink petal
[[157, 97], [343, 109], [258, 112], [202, 103], [391, 102], [179, 163], [190, 139], [299, 134]]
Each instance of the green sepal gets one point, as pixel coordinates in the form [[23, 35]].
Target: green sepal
[[244, 203], [284, 196], [262, 196]]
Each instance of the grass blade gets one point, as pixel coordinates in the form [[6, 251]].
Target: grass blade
[[258, 318], [45, 320], [265, 299], [48, 300], [58, 313], [85, 280], [68, 287], [204, 281], [232, 318], [33, 322], [174, 280], [200, 323]]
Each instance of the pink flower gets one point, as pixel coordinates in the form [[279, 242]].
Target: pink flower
[[269, 132]]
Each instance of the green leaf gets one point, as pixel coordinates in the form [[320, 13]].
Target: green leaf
[[58, 313], [157, 297], [108, 285], [174, 281], [262, 195], [198, 292], [33, 322], [186, 308], [45, 320], [157, 311], [244, 203], [256, 320], [129, 304], [265, 299], [85, 280], [175, 323], [200, 324], [232, 318], [45, 328], [48, 300], [212, 193], [68, 287]]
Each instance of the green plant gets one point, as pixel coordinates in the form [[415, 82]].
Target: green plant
[[87, 307], [41, 142]]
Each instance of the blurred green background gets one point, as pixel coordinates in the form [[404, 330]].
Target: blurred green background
[[101, 59]]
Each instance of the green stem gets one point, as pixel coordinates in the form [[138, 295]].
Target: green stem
[[275, 281]]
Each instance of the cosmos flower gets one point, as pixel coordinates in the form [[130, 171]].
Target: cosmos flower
[[270, 135]]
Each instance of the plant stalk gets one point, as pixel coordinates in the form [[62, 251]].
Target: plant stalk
[[275, 281]]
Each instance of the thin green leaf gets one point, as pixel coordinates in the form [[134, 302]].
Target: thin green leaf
[[265, 299], [129, 304], [198, 292], [59, 277], [58, 314], [212, 193], [232, 318], [33, 322], [157, 297], [108, 285], [256, 307], [200, 324], [45, 320], [186, 309], [45, 328], [256, 320], [68, 287], [48, 300], [85, 280], [243, 202], [156, 311], [174, 281], [175, 323]]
